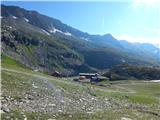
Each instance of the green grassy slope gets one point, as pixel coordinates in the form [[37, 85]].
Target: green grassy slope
[[34, 95], [126, 72], [8, 62]]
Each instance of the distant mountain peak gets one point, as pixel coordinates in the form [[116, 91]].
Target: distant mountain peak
[[109, 36]]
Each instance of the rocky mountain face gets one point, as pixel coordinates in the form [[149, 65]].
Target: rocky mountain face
[[44, 43]]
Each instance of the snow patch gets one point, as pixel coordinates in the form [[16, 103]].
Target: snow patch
[[14, 17], [26, 19], [67, 33], [45, 32], [85, 38], [54, 30]]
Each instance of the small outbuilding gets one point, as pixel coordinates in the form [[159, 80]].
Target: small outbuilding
[[91, 77], [88, 75], [98, 79], [56, 74]]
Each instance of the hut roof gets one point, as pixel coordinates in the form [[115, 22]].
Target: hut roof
[[88, 74]]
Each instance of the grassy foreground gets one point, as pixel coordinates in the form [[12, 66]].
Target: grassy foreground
[[28, 95]]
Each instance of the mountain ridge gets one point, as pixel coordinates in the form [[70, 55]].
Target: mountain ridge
[[75, 29], [29, 34]]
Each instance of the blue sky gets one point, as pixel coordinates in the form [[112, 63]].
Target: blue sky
[[132, 20]]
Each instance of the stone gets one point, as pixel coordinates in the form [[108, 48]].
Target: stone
[[52, 105], [5, 109], [25, 118]]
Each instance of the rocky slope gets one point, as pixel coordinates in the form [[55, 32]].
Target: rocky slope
[[46, 44]]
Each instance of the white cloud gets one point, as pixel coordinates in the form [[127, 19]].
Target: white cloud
[[147, 3], [151, 32], [133, 39]]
